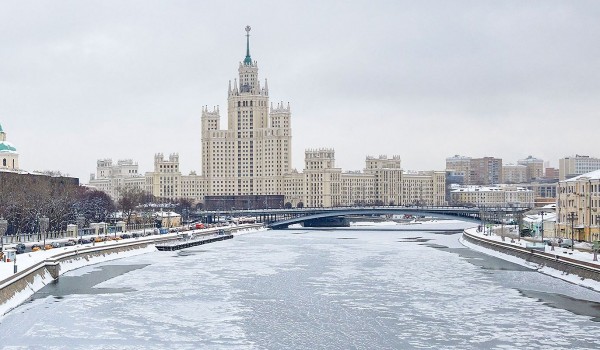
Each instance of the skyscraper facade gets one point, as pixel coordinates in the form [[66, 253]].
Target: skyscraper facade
[[254, 153]]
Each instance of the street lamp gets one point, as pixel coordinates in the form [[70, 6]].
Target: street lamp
[[598, 226], [44, 223], [542, 228], [3, 228], [80, 223], [572, 217]]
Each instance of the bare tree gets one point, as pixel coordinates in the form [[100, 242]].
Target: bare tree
[[131, 198]]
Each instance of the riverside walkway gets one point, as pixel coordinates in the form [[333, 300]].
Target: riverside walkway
[[575, 265]]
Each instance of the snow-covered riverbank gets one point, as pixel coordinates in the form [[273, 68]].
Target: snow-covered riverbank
[[78, 256], [576, 255]]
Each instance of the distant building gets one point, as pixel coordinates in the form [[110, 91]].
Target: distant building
[[544, 191], [477, 171], [424, 188], [113, 178], [535, 168], [323, 181], [166, 181], [460, 165], [492, 196], [9, 158], [551, 173], [383, 182], [486, 171], [514, 173], [569, 167]]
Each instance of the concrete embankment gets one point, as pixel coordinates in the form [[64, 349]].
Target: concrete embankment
[[18, 287], [568, 267]]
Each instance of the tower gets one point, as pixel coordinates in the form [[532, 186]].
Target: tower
[[251, 156]]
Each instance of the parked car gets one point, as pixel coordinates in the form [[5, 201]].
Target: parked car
[[70, 242], [84, 241], [566, 243], [125, 236], [20, 248], [35, 248], [97, 239], [48, 246], [135, 235], [55, 245]]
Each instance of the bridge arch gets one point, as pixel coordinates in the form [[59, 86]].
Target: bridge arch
[[470, 215]]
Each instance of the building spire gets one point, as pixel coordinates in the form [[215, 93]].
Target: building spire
[[248, 60]]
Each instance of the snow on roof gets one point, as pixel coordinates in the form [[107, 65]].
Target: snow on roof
[[500, 188], [592, 175], [538, 217], [166, 214]]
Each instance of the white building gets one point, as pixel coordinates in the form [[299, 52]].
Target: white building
[[113, 178], [569, 167], [492, 196]]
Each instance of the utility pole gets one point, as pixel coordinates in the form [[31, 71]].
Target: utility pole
[[572, 217]]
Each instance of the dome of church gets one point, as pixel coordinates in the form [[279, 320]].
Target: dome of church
[[6, 146]]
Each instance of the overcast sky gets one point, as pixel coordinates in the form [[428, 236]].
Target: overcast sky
[[86, 80]]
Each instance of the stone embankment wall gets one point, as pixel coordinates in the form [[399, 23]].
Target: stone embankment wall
[[556, 261], [18, 287]]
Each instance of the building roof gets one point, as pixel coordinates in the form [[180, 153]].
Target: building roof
[[592, 175], [474, 188], [6, 146]]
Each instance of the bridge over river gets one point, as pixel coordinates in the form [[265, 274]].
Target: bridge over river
[[282, 218]]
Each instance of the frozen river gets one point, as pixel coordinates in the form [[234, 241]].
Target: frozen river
[[309, 289]]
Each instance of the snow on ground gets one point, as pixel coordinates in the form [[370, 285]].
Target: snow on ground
[[564, 252]]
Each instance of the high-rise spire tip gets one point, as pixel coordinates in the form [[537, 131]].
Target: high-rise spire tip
[[248, 60]]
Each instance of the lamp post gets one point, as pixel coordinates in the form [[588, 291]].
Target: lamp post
[[542, 229], [44, 223], [3, 228], [596, 243], [572, 217], [80, 223], [598, 226]]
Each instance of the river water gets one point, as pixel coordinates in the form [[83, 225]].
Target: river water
[[309, 289]]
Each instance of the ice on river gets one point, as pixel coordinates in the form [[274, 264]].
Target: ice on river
[[309, 289]]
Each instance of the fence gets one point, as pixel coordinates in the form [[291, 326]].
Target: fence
[[33, 237]]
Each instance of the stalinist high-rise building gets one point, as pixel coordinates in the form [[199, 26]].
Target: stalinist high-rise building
[[249, 164], [251, 156]]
